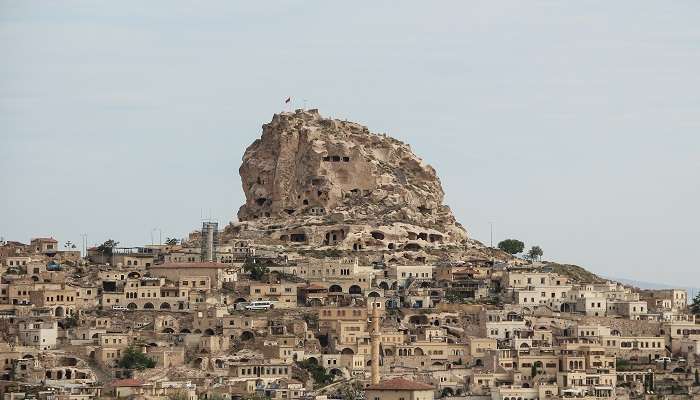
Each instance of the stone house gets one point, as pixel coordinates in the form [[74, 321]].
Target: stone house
[[283, 294], [39, 333], [44, 245], [399, 388]]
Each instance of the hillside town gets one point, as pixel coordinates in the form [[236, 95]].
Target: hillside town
[[343, 276]]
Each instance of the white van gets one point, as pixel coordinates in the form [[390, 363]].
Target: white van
[[119, 308], [260, 305]]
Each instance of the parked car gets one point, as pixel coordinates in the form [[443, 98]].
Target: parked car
[[663, 359], [260, 305], [119, 308]]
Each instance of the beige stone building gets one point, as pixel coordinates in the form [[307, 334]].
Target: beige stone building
[[400, 389]]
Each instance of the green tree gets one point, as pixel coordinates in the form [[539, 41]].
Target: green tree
[[622, 364], [512, 246], [133, 358], [352, 391], [107, 247], [71, 322], [452, 297], [255, 269], [535, 253], [695, 305], [318, 373]]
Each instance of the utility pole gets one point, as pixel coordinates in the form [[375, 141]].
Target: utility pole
[[160, 235], [493, 261]]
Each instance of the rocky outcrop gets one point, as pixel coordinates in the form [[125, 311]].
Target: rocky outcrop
[[324, 182]]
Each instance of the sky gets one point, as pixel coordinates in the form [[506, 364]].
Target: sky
[[574, 126]]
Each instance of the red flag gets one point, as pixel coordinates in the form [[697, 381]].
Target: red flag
[[288, 100]]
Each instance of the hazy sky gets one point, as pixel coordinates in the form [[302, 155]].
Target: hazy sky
[[571, 125]]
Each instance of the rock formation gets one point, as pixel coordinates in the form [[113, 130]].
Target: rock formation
[[316, 181]]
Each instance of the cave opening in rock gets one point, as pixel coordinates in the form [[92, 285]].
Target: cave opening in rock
[[412, 247], [434, 237], [377, 235], [297, 237]]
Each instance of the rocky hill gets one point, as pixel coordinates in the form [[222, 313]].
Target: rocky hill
[[323, 182], [574, 272]]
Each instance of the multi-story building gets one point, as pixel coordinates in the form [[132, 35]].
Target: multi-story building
[[39, 333]]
